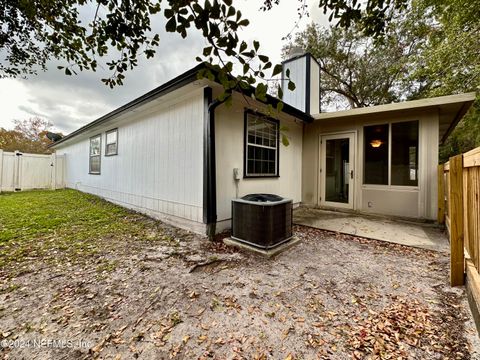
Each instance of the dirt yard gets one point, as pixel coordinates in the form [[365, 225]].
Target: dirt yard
[[73, 286]]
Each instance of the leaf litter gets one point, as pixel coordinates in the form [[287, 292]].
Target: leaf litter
[[177, 296]]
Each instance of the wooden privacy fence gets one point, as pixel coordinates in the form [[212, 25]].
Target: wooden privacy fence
[[21, 171], [459, 209]]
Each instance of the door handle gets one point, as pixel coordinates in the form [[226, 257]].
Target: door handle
[[351, 174]]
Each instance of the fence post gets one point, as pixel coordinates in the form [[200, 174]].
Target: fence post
[[16, 171], [441, 194], [1, 168], [53, 159], [455, 212]]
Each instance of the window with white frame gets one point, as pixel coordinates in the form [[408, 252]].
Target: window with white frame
[[391, 154], [111, 143], [261, 145], [95, 154]]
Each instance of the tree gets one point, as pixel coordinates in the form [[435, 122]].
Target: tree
[[465, 137], [372, 17], [444, 63], [450, 56], [356, 71], [34, 32], [450, 60], [83, 32], [27, 136]]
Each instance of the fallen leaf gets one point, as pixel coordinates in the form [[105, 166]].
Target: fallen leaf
[[202, 339]]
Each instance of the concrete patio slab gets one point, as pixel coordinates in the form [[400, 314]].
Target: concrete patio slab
[[426, 236]]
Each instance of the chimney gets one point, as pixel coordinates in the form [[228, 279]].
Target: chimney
[[305, 73]]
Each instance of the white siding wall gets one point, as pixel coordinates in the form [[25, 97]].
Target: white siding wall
[[298, 71], [229, 132], [314, 87], [298, 74], [159, 166]]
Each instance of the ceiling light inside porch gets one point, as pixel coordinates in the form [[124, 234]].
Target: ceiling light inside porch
[[376, 143]]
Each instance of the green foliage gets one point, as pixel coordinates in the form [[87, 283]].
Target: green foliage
[[450, 62], [33, 33], [371, 16], [465, 137], [453, 28], [358, 70], [450, 58], [443, 35], [261, 92], [402, 50], [446, 61], [283, 133]]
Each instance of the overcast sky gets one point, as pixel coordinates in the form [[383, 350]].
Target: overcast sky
[[72, 101]]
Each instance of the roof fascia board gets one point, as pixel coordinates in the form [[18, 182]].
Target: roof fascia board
[[402, 106], [170, 86], [300, 56], [461, 112]]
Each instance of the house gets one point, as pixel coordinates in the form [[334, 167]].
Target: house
[[179, 155]]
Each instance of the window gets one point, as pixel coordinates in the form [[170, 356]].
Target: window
[[398, 160], [111, 147], [261, 145], [95, 152], [376, 155], [405, 153]]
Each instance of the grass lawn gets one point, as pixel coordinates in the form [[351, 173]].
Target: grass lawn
[[63, 225], [82, 278]]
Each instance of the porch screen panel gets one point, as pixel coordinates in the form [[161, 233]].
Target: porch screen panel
[[405, 153], [376, 155]]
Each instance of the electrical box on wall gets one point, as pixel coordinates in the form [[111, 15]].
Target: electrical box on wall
[[236, 174]]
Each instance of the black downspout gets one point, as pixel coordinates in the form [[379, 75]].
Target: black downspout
[[209, 175], [209, 163]]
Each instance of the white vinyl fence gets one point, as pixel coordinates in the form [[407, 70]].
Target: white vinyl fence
[[21, 171]]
